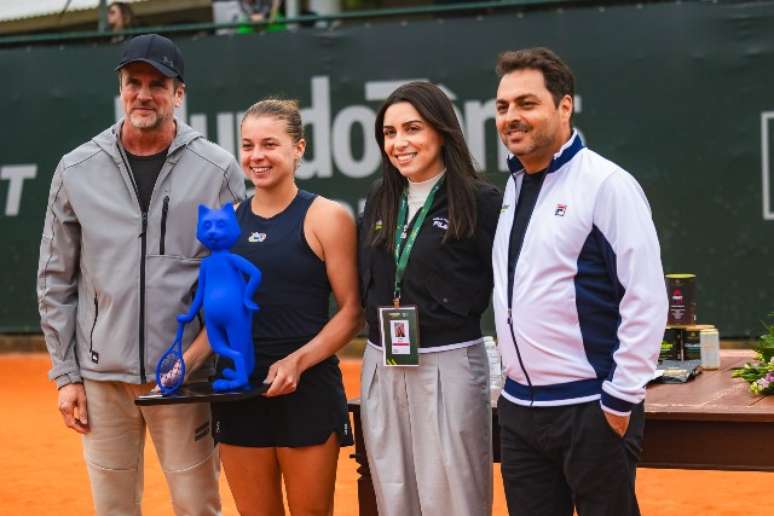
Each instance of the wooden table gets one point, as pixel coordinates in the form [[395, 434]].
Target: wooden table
[[711, 422]]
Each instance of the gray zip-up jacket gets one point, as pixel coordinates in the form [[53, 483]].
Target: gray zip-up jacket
[[111, 279]]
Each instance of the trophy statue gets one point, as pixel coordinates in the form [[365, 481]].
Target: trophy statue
[[228, 314]]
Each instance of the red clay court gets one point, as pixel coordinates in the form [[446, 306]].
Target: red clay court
[[43, 471]]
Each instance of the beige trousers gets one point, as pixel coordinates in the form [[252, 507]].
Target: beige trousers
[[114, 448], [428, 433]]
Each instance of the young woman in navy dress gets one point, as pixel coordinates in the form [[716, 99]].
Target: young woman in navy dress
[[305, 246]]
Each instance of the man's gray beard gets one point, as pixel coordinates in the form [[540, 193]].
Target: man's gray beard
[[144, 124]]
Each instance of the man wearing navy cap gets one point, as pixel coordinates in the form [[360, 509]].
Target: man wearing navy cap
[[118, 261]]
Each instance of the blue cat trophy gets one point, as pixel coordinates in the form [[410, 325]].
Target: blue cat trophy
[[227, 302]]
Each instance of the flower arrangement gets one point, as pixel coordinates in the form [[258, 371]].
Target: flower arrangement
[[760, 374]]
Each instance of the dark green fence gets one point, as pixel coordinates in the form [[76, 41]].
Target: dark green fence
[[681, 95]]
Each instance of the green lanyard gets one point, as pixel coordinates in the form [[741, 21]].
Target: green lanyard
[[402, 254]]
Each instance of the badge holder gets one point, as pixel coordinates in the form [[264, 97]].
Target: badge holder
[[400, 335]]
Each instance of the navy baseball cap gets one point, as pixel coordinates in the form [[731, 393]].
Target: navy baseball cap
[[158, 51]]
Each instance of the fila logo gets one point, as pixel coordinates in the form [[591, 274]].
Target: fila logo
[[560, 209], [441, 223], [256, 237]]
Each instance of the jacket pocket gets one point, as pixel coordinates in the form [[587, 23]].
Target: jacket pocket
[[162, 237], [93, 355], [447, 293]]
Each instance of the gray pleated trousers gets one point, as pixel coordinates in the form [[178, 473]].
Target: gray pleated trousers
[[428, 433]]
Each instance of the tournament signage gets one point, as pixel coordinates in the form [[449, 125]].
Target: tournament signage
[[689, 113]]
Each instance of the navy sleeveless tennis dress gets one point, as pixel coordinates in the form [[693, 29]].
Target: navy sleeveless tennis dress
[[293, 296]]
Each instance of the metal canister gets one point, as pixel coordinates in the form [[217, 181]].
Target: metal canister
[[681, 289], [692, 340], [671, 344], [710, 348]]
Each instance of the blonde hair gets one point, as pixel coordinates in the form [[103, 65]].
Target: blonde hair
[[282, 109]]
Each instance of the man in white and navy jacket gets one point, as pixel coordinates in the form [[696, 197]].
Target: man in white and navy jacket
[[580, 304]]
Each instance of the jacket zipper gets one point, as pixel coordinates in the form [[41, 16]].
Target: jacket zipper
[[143, 250], [510, 304], [521, 362], [164, 210], [93, 354]]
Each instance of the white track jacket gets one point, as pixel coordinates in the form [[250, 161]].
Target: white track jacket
[[588, 308]]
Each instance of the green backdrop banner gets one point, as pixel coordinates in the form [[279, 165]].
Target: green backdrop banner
[[678, 94]]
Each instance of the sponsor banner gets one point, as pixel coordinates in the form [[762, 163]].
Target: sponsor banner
[[687, 108]]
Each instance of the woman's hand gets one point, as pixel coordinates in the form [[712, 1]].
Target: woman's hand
[[283, 376]]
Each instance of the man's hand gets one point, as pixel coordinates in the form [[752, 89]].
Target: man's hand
[[72, 405], [619, 424]]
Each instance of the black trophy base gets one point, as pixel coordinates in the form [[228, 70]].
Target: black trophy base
[[199, 392]]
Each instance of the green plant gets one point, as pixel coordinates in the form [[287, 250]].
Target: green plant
[[760, 374], [765, 347]]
